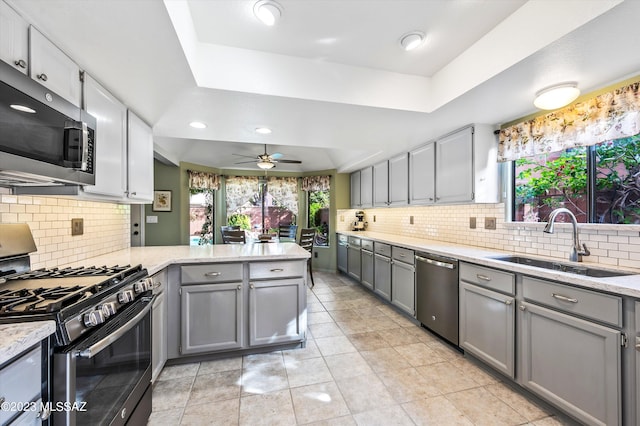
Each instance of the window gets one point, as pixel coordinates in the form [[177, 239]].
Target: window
[[318, 216], [599, 183], [201, 217], [260, 205]]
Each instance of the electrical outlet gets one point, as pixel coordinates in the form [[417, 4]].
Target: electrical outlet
[[315, 254], [489, 223], [472, 223], [77, 226], [374, 217], [341, 218], [410, 220]]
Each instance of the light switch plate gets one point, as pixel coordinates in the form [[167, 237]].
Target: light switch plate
[[152, 219], [489, 223], [410, 220], [77, 226]]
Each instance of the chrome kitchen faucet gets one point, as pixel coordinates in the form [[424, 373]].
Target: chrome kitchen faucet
[[577, 251]]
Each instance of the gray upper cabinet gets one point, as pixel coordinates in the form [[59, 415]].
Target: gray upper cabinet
[[399, 180], [14, 38], [355, 190], [52, 68], [454, 167], [366, 187], [459, 167], [111, 146], [381, 184], [422, 163]]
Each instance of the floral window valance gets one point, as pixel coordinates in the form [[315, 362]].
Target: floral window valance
[[316, 183], [203, 180], [239, 191], [609, 116], [285, 190]]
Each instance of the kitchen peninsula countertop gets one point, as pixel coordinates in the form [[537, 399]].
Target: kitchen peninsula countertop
[[21, 336], [156, 258], [628, 285]]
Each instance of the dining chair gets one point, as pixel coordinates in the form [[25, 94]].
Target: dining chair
[[306, 242], [234, 236], [287, 232]]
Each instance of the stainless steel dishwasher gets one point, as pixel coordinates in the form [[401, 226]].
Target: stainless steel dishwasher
[[437, 295]]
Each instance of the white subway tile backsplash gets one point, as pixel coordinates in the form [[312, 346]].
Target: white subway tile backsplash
[[106, 227], [609, 244]]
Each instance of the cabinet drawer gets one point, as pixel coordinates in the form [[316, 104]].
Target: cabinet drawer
[[383, 249], [354, 241], [275, 270], [403, 255], [343, 238], [586, 303], [21, 381], [489, 278], [211, 273], [367, 245]]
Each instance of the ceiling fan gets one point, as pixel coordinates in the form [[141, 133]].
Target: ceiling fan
[[267, 161]]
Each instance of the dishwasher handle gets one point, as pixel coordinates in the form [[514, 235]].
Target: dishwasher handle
[[436, 262]]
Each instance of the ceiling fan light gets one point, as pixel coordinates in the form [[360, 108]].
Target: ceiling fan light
[[557, 96], [266, 165], [412, 40], [267, 11]]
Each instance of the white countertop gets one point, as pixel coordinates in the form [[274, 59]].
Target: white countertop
[[628, 285], [158, 257], [21, 336]]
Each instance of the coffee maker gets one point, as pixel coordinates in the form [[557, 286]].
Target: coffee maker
[[359, 224]]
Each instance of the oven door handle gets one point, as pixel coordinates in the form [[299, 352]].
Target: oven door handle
[[94, 349]]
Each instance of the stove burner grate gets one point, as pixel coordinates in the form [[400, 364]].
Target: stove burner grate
[[40, 300]]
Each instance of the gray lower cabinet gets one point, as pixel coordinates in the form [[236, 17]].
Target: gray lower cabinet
[[353, 258], [403, 286], [158, 335], [367, 267], [211, 317], [487, 326], [487, 316], [382, 275], [21, 382], [637, 347], [572, 363], [343, 252], [274, 311]]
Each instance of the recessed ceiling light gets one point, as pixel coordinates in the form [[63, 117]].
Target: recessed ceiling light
[[263, 130], [557, 96], [23, 108], [267, 11], [412, 40], [197, 125]]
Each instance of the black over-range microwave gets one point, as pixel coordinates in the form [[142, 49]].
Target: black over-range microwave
[[45, 141]]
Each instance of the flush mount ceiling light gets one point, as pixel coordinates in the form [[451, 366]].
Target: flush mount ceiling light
[[267, 11], [412, 40], [266, 165], [197, 125], [263, 130], [557, 96]]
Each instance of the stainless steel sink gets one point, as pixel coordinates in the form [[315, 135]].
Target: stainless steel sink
[[563, 267]]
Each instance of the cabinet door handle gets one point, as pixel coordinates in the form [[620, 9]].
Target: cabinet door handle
[[638, 347], [251, 286], [401, 255], [277, 270], [483, 277], [21, 63], [508, 302], [522, 308], [239, 287], [564, 298], [212, 274], [42, 77]]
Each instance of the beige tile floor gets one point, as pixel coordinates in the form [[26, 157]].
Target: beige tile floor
[[364, 363]]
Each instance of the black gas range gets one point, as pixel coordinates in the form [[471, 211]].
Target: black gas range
[[100, 356]]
